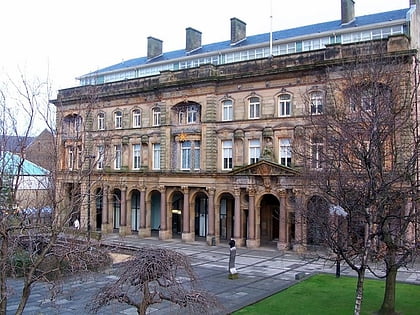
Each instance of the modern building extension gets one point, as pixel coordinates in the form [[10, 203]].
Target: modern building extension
[[197, 143]]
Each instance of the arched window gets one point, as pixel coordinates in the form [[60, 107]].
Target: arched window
[[101, 121], [118, 119], [254, 108], [136, 118], [285, 105]]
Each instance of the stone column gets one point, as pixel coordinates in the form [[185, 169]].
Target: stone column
[[237, 222], [105, 211], [282, 243], [211, 239], [144, 231], [164, 232], [123, 220], [251, 240], [300, 228], [186, 236]]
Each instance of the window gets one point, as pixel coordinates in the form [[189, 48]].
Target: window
[[285, 104], [156, 156], [136, 156], [70, 162], [101, 121], [316, 99], [185, 155], [227, 110], [118, 156], [227, 155], [317, 148], [100, 157], [254, 151], [72, 126], [136, 118], [118, 119], [190, 155], [285, 155], [156, 116], [254, 107], [192, 114]]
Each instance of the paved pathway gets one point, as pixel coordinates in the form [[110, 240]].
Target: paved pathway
[[262, 272]]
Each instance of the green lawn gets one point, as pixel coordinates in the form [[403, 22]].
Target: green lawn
[[326, 294]]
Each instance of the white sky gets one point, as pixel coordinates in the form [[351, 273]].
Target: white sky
[[69, 38]]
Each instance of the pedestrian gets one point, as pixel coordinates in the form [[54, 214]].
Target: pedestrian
[[233, 274], [76, 224]]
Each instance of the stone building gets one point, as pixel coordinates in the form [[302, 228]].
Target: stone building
[[196, 143]]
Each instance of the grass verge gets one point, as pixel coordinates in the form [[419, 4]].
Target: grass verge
[[325, 294]]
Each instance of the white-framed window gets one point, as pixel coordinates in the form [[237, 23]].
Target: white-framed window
[[317, 149], [100, 157], [118, 119], [70, 161], [101, 121], [186, 155], [136, 156], [227, 155], [254, 107], [285, 152], [227, 110], [156, 116], [192, 114], [136, 118], [285, 105], [117, 156], [254, 151], [190, 155], [156, 156], [317, 102]]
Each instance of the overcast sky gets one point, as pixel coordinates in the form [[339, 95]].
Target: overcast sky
[[71, 38]]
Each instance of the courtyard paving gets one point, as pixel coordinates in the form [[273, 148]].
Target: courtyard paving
[[262, 272]]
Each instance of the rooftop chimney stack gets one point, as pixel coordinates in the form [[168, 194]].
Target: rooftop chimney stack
[[154, 47], [237, 30], [193, 39], [412, 2], [347, 11]]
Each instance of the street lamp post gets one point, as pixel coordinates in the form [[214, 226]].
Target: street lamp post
[[90, 157]]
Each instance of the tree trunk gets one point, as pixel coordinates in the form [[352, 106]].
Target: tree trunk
[[26, 292], [388, 304], [359, 291], [3, 274]]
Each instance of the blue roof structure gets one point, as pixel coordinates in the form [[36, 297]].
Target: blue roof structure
[[325, 27], [11, 162]]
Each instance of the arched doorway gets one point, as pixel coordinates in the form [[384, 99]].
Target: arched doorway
[[201, 215], [155, 211], [135, 210], [98, 207], [177, 207], [269, 219], [317, 217], [116, 202], [227, 206]]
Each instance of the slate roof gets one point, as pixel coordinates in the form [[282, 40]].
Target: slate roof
[[262, 38]]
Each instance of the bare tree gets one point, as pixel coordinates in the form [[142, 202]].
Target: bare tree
[[363, 163], [154, 275], [37, 250]]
